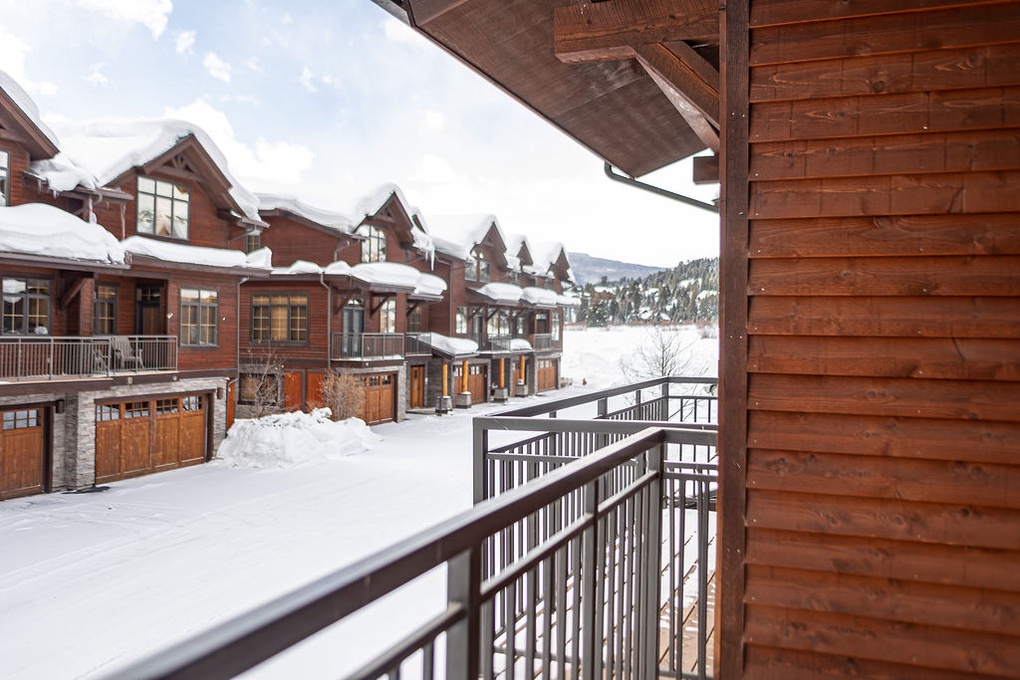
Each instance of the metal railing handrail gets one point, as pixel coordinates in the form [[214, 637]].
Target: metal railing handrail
[[251, 638], [568, 402], [50, 357]]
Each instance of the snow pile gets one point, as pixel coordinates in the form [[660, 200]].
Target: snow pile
[[501, 292], [289, 439], [455, 347], [520, 345], [430, 285], [40, 229], [326, 218]]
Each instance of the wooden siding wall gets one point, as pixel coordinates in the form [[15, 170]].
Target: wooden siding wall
[[883, 386]]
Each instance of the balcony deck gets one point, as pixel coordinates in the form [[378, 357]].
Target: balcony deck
[[62, 359]]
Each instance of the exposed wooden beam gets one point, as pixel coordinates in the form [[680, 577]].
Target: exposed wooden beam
[[697, 103], [706, 169], [606, 30], [422, 12]]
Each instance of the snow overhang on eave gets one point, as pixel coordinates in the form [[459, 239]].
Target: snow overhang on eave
[[62, 263], [138, 260]]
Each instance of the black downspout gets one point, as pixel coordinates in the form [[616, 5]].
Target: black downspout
[[630, 181]]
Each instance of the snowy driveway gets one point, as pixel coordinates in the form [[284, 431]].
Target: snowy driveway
[[88, 581]]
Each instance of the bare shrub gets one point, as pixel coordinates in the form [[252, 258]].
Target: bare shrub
[[261, 382], [344, 394], [660, 353]]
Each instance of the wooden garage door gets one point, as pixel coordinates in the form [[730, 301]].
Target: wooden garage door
[[416, 389], [22, 453], [148, 435], [546, 374], [378, 404], [476, 384]]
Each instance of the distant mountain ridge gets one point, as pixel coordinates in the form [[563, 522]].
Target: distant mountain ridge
[[589, 269]]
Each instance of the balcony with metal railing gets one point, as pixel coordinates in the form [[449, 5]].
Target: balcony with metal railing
[[417, 344], [589, 554], [47, 358], [367, 346], [542, 341]]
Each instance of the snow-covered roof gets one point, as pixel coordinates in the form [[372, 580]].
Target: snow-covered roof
[[520, 345], [62, 174], [501, 292], [545, 256], [46, 231], [291, 204], [372, 202], [185, 254], [568, 301], [457, 235], [111, 147], [430, 285], [391, 274], [27, 105], [453, 347], [540, 297], [298, 268]]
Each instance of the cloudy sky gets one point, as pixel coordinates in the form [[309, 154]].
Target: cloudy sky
[[326, 99]]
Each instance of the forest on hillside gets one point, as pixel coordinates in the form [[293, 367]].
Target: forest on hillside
[[688, 293]]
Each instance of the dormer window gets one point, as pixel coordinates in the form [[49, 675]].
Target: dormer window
[[373, 248], [163, 208], [5, 172]]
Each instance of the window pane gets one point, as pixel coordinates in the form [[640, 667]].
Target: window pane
[[164, 206], [146, 185]]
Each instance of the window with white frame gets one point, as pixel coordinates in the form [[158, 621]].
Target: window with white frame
[[163, 208], [26, 306], [373, 248], [388, 317], [199, 316]]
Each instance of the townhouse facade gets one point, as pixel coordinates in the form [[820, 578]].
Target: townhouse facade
[[149, 298]]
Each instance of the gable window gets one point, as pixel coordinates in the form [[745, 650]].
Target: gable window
[[199, 315], [26, 306], [279, 318], [373, 248], [388, 317], [163, 208], [462, 324], [106, 310], [5, 173], [478, 268]]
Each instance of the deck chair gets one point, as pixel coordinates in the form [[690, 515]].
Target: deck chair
[[124, 355]]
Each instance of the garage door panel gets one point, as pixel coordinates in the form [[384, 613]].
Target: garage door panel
[[22, 453], [193, 429], [378, 403]]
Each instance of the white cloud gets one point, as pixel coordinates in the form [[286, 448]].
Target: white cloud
[[270, 164], [153, 14], [12, 60], [306, 80], [433, 120], [184, 42], [398, 32], [96, 75], [216, 67], [434, 170]]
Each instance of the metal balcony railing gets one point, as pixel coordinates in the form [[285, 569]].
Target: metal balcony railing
[[499, 343], [570, 574], [542, 341], [367, 345], [417, 344], [35, 358]]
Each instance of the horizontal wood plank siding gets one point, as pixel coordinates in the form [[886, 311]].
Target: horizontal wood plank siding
[[883, 433]]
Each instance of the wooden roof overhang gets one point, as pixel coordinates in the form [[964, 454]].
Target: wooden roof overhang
[[27, 259], [634, 81], [17, 126], [343, 237], [155, 265]]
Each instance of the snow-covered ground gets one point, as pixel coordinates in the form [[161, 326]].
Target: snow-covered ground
[[91, 581]]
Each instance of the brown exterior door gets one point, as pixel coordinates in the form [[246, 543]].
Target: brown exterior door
[[292, 391], [315, 381], [22, 453], [476, 384], [378, 404], [417, 387], [138, 437], [546, 374]]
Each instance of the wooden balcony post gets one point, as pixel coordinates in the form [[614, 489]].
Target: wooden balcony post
[[446, 379], [464, 377], [502, 373]]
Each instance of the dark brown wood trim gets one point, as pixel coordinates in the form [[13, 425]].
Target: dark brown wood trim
[[733, 275]]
